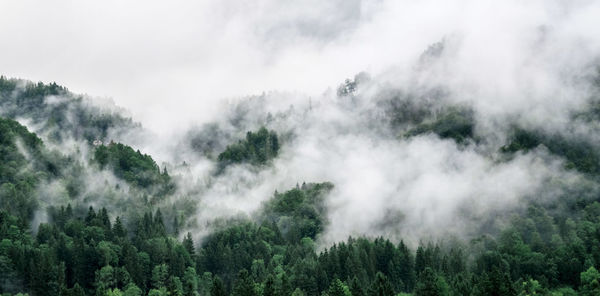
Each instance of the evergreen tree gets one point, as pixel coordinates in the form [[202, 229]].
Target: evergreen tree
[[188, 244], [355, 287], [284, 287], [118, 230], [244, 285], [132, 290], [160, 275], [430, 284], [217, 288], [590, 282], [269, 286], [174, 287], [380, 286], [337, 288], [190, 282]]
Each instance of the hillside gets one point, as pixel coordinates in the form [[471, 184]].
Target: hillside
[[117, 223]]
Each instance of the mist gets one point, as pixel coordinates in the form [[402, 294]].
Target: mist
[[196, 54], [218, 69]]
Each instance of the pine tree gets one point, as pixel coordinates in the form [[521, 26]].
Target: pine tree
[[380, 286], [269, 289], [429, 284], [190, 282], [217, 288], [160, 275], [284, 287], [77, 290], [355, 287], [244, 285], [590, 282], [175, 287], [91, 215], [159, 225], [132, 290], [337, 288], [118, 230], [188, 244]]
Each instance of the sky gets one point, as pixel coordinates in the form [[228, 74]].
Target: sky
[[174, 63]]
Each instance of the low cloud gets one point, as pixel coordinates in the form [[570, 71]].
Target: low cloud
[[182, 66]]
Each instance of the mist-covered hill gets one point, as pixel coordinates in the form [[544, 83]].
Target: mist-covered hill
[[371, 189]]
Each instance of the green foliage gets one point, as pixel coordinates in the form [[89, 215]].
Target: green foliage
[[549, 249], [24, 162], [532, 287], [218, 288], [299, 212], [590, 282], [579, 154], [132, 290], [563, 292], [90, 254], [338, 288], [134, 167], [59, 112], [257, 149], [431, 284], [455, 123], [80, 256], [380, 286], [269, 286], [244, 285]]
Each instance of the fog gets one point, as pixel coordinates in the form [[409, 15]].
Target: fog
[[193, 54], [178, 66]]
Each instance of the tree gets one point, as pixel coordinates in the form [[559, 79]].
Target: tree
[[175, 288], [118, 230], [217, 288], [91, 216], [244, 285], [258, 148], [190, 282], [298, 292], [430, 284], [284, 287], [160, 274], [113, 292], [158, 292], [337, 288], [132, 290], [496, 283], [380, 286], [269, 288], [105, 280], [188, 244], [590, 282], [532, 287], [77, 290], [355, 287]]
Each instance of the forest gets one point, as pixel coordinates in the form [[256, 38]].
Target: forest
[[123, 224]]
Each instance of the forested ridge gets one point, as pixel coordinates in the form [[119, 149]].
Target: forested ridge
[[120, 224]]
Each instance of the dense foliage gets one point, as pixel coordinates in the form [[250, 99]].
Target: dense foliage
[[23, 163], [136, 248], [453, 123], [578, 153], [59, 112], [257, 148], [134, 167], [91, 254]]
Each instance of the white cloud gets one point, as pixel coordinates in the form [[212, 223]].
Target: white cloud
[[173, 63]]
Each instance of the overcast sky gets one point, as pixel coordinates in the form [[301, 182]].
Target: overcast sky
[[174, 63], [174, 60]]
